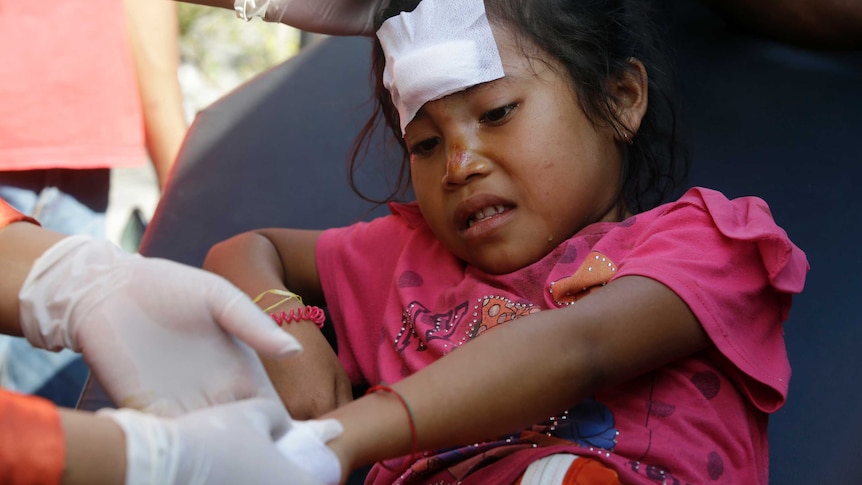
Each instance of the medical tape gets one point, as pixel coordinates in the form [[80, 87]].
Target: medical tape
[[440, 48]]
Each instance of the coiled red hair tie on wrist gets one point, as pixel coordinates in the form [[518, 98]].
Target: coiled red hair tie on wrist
[[309, 313]]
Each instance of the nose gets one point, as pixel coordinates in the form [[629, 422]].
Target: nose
[[462, 166]]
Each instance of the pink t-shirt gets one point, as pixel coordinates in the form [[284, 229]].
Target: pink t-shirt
[[68, 91], [399, 301]]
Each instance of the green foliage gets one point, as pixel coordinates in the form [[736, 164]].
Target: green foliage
[[220, 51]]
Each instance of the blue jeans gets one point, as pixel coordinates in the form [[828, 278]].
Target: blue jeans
[[70, 202]]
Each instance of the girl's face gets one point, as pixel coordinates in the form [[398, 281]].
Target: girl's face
[[505, 171]]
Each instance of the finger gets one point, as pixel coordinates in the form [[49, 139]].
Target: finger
[[241, 318], [325, 429], [266, 415], [162, 408]]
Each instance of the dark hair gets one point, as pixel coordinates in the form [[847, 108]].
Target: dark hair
[[594, 41]]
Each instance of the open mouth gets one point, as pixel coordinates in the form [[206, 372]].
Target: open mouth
[[485, 214]]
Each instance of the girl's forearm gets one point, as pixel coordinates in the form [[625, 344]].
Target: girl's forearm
[[524, 372], [249, 261], [309, 384], [269, 258], [450, 399]]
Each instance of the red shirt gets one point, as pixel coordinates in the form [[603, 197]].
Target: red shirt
[[68, 90]]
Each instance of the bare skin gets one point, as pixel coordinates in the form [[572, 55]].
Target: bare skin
[[154, 42], [313, 382], [95, 449], [21, 244]]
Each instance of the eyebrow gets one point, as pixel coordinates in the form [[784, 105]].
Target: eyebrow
[[507, 79]]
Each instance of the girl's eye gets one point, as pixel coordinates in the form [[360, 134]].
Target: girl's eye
[[424, 147], [498, 115]]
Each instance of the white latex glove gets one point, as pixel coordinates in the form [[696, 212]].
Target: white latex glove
[[224, 445], [333, 17], [158, 335], [305, 445]]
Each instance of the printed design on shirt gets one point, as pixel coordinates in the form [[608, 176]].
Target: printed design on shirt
[[410, 279], [589, 424], [709, 384], [497, 310], [421, 327], [437, 326], [596, 271]]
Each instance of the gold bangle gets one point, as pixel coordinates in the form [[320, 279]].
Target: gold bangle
[[287, 294]]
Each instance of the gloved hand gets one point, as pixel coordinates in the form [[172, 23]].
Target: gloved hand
[[158, 335], [223, 445], [333, 17], [305, 444]]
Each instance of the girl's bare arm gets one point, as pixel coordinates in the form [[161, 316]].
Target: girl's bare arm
[[593, 344], [314, 382]]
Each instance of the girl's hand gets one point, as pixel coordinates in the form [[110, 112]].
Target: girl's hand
[[312, 383]]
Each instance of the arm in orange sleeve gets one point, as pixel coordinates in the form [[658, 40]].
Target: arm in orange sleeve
[[32, 449], [22, 241], [41, 444], [8, 215]]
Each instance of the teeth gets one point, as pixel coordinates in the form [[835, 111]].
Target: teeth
[[485, 213]]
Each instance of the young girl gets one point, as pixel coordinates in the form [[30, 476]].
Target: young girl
[[538, 317]]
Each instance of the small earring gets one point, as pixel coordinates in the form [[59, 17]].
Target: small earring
[[627, 139]]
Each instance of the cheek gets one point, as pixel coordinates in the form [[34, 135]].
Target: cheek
[[420, 177], [426, 189]]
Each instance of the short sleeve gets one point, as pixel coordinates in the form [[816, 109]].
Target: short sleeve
[[737, 271], [8, 215], [354, 263], [32, 449]]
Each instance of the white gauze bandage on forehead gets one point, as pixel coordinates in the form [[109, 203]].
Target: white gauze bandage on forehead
[[440, 48]]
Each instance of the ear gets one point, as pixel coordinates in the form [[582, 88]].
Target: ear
[[630, 94]]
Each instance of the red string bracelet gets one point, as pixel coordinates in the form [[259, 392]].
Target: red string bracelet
[[414, 435], [308, 313]]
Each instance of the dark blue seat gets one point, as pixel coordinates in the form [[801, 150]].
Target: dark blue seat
[[761, 118]]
